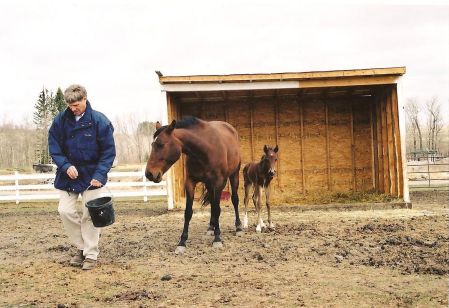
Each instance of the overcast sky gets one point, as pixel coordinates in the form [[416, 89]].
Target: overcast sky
[[114, 47]]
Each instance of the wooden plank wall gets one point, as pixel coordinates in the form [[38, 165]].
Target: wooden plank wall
[[340, 145], [388, 142], [334, 144]]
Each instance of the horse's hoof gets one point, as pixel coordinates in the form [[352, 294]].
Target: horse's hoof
[[258, 229], [210, 232], [239, 233], [272, 227], [180, 250], [217, 244]]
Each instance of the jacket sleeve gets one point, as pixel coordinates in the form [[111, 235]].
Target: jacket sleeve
[[55, 146], [105, 137]]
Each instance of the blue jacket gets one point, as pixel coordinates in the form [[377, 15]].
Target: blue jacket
[[87, 144]]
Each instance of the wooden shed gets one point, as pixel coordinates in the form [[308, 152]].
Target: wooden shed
[[337, 130]]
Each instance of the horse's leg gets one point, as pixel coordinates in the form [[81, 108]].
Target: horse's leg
[[190, 191], [215, 206], [257, 203], [234, 179], [210, 230], [267, 197]]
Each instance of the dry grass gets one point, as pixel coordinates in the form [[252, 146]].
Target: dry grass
[[326, 197]]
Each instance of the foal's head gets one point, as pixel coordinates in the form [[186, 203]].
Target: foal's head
[[165, 151], [270, 159]]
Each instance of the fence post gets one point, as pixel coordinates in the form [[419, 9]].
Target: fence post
[[16, 175], [145, 197], [428, 168]]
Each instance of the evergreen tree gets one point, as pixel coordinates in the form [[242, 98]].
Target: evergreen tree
[[59, 102], [42, 117]]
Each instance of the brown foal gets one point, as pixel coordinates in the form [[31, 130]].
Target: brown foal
[[260, 175]]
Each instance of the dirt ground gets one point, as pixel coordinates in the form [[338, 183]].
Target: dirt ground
[[313, 258]]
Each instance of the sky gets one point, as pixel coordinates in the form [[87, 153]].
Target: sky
[[114, 47]]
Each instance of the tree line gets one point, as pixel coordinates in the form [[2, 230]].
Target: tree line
[[23, 145], [427, 132]]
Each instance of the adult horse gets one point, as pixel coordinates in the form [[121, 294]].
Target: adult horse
[[213, 157]]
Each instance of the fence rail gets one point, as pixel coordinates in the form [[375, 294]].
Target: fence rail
[[45, 191], [428, 174]]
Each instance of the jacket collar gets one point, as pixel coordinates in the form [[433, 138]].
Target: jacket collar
[[87, 113]]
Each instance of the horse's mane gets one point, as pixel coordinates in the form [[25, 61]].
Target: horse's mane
[[184, 123]]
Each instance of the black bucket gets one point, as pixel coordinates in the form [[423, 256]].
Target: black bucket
[[101, 211]]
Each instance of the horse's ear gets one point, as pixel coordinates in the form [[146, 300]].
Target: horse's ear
[[158, 125], [265, 148], [171, 127], [276, 149]]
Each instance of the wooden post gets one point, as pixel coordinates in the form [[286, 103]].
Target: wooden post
[[373, 129], [397, 142], [391, 146], [144, 180], [276, 124], [353, 149], [251, 112], [301, 119], [16, 182], [385, 154], [380, 175], [327, 147]]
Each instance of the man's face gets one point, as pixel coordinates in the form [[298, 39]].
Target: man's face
[[78, 107]]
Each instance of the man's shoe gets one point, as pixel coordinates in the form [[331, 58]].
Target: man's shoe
[[78, 259], [89, 264]]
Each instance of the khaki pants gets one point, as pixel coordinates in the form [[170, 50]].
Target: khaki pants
[[81, 231]]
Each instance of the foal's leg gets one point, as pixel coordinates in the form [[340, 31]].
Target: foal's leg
[[234, 179], [257, 203], [245, 201], [267, 197], [190, 191]]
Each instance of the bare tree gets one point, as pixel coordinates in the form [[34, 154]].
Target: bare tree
[[133, 138], [413, 110], [434, 122], [18, 143]]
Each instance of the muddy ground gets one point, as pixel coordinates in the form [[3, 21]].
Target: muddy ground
[[313, 258]]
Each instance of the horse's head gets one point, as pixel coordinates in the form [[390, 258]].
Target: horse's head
[[270, 158], [165, 151]]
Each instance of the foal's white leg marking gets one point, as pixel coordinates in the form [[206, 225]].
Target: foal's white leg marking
[[245, 221], [272, 225], [258, 228], [261, 223]]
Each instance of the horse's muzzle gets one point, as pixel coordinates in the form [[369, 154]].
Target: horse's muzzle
[[272, 173], [154, 178]]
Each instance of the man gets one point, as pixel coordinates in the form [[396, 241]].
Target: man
[[82, 146]]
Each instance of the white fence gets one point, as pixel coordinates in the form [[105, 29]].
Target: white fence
[[44, 190]]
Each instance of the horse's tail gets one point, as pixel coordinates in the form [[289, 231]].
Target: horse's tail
[[205, 198]]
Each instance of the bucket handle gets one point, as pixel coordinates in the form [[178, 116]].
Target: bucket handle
[[100, 187]]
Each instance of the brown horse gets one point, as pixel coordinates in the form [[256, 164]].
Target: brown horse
[[213, 157], [260, 175]]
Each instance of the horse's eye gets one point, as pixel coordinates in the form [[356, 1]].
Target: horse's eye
[[159, 145]]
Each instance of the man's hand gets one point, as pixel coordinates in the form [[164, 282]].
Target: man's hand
[[72, 172], [95, 183]]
